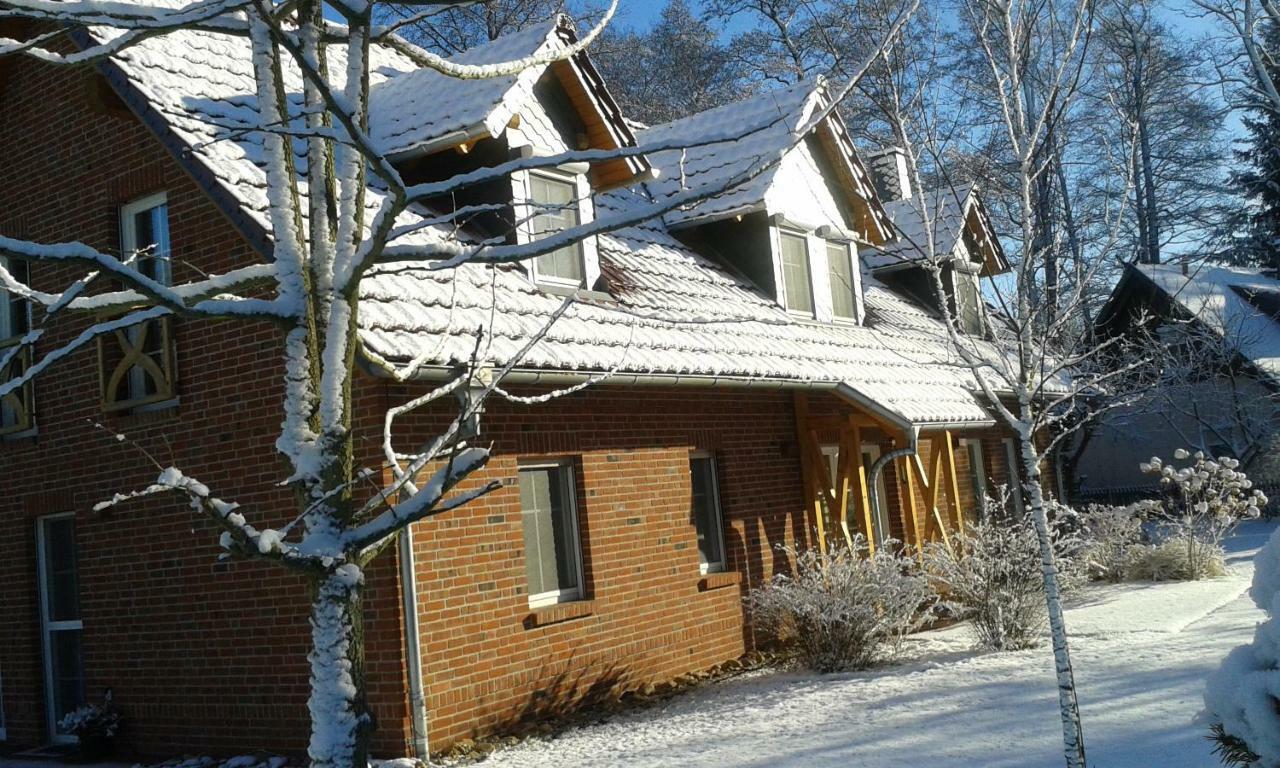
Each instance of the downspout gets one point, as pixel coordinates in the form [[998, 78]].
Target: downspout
[[413, 647], [913, 437]]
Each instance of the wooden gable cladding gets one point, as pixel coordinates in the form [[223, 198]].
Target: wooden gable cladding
[[872, 222], [603, 124], [840, 505], [980, 237]]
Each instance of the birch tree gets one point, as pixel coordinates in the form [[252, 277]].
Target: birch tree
[[332, 223], [1035, 366]]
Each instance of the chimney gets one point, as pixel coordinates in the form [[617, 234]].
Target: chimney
[[889, 171]]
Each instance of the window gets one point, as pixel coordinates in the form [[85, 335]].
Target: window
[[137, 370], [706, 512], [15, 321], [967, 300], [796, 281], [1015, 485], [554, 200], [553, 561], [844, 298], [977, 476], [59, 578]]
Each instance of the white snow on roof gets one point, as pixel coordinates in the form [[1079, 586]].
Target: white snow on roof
[[423, 106], [1206, 293], [674, 313]]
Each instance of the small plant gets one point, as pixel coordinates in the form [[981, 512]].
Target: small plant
[[992, 576], [844, 610], [1203, 502], [1231, 750], [1112, 537], [95, 726]]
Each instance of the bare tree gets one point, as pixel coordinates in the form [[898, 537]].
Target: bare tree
[[332, 223]]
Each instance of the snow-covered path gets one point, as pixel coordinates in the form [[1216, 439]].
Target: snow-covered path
[[1141, 657]]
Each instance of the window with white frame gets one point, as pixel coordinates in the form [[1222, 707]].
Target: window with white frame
[[553, 556], [707, 515], [15, 321], [797, 281], [137, 369], [977, 475], [840, 276], [61, 625], [1015, 485], [554, 201], [968, 300]]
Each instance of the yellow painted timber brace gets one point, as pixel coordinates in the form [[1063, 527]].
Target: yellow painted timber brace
[[808, 472]]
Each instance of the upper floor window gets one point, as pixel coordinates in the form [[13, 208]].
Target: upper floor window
[[552, 553], [797, 281], [557, 202], [706, 511], [844, 291], [15, 321], [137, 362], [966, 299]]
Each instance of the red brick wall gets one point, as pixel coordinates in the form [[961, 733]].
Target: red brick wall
[[487, 656], [202, 656]]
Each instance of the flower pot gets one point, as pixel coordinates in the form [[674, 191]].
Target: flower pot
[[96, 746]]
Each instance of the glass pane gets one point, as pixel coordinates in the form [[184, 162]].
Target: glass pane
[[62, 589], [556, 209], [706, 512], [15, 319], [151, 240], [66, 671], [795, 273], [550, 531], [977, 475], [840, 270]]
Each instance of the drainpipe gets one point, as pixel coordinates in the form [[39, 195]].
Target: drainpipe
[[413, 647], [913, 435]]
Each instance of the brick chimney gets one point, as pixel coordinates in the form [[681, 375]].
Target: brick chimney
[[889, 171]]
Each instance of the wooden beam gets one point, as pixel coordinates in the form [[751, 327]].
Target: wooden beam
[[864, 499], [953, 481], [807, 470], [909, 508]]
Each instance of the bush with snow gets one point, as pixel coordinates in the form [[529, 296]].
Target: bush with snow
[[992, 576], [844, 610], [1203, 501], [1242, 697], [1111, 538]]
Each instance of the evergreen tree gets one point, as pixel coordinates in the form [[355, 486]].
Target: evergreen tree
[[1255, 234]]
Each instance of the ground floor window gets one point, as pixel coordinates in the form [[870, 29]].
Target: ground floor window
[[553, 559], [977, 475], [1015, 484], [61, 626], [707, 516]]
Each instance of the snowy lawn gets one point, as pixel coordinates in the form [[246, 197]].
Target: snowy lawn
[[1141, 652]]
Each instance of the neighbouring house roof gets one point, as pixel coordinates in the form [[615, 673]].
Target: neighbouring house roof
[[740, 144], [1239, 303], [673, 313], [954, 212]]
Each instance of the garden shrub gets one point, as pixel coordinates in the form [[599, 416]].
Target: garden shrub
[[844, 610]]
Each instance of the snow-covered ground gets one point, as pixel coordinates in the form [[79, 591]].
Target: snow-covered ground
[[1141, 656]]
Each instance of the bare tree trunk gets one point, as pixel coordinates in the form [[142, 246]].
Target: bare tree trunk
[[1152, 211], [341, 723], [1072, 730]]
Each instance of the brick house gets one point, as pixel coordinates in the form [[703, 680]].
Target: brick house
[[761, 374]]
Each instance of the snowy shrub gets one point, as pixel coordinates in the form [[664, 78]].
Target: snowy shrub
[[992, 576], [1112, 536], [1203, 501], [1175, 559], [92, 720], [1242, 697], [844, 610]]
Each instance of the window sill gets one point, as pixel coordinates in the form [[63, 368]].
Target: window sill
[[152, 412], [719, 580], [554, 614], [17, 437]]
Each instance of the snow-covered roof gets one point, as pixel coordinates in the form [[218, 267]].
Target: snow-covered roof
[[672, 313], [739, 145], [1234, 301], [952, 211]]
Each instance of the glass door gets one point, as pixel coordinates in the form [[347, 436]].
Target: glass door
[[60, 619]]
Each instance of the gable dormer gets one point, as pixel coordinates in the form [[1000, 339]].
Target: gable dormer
[[963, 242], [435, 127], [788, 201]]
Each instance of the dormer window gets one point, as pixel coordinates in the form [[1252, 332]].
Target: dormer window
[[840, 276], [556, 201], [965, 298], [797, 280]]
